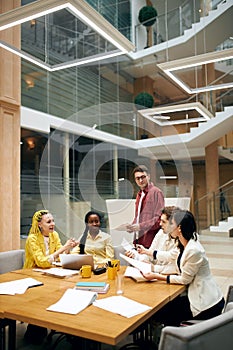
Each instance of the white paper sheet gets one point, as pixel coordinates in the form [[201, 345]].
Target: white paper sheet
[[122, 227], [58, 272], [18, 286], [121, 305], [126, 245], [135, 274], [73, 301], [140, 265]]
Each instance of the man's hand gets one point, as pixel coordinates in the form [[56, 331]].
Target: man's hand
[[141, 249], [133, 228], [130, 254]]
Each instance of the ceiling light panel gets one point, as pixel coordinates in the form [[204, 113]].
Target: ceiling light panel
[[85, 38], [193, 69], [178, 114]]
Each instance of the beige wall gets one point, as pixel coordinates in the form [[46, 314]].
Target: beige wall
[[9, 138]]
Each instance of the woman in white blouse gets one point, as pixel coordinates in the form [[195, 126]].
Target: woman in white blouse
[[204, 298]]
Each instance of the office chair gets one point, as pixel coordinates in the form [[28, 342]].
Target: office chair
[[9, 261]]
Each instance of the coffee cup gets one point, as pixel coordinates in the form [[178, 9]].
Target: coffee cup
[[85, 271], [112, 272]]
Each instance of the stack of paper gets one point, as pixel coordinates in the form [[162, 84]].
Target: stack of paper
[[122, 306], [18, 286], [73, 301]]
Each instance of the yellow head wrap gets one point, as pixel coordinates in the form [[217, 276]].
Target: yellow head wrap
[[35, 219]]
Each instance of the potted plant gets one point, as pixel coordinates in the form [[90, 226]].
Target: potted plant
[[147, 17], [144, 99]]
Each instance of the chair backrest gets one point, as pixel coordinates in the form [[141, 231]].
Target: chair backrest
[[11, 260], [117, 250], [229, 306], [229, 297], [215, 333]]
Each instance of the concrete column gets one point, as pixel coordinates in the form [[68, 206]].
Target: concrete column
[[212, 180], [10, 93]]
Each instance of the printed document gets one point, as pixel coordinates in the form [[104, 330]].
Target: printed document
[[18, 286], [140, 265], [121, 305], [73, 301]]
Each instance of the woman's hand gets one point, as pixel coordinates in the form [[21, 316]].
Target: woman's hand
[[153, 275], [149, 275], [71, 243]]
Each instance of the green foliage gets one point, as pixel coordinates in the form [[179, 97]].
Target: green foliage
[[147, 16], [144, 99]]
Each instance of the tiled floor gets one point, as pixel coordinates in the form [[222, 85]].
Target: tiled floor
[[219, 249]]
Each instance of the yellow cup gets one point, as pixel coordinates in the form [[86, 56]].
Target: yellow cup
[[112, 272], [85, 271], [116, 263]]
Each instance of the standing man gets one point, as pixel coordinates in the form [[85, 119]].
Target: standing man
[[148, 208]]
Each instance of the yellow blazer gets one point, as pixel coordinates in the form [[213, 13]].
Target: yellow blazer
[[35, 250]]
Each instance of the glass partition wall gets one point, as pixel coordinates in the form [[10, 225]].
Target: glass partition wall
[[66, 168]]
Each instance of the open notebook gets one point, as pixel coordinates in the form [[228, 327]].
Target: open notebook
[[76, 261]]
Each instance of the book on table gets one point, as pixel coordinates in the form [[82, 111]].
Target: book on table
[[99, 287]]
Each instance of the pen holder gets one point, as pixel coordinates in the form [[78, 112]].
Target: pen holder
[[116, 264], [112, 271]]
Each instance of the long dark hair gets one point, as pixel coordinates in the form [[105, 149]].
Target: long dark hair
[[187, 223], [84, 235]]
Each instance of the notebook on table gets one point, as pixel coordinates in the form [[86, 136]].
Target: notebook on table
[[76, 261]]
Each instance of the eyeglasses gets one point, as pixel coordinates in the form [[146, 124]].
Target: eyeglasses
[[138, 178]]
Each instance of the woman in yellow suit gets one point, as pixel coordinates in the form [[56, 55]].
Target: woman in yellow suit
[[43, 244]]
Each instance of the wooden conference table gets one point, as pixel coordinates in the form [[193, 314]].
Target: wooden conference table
[[92, 323]]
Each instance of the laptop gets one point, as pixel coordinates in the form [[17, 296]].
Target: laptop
[[76, 261]]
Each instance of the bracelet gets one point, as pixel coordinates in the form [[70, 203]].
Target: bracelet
[[154, 254], [168, 279]]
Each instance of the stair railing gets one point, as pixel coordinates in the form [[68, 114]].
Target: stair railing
[[214, 206]]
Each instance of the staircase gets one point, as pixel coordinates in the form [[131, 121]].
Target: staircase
[[217, 22], [224, 226]]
